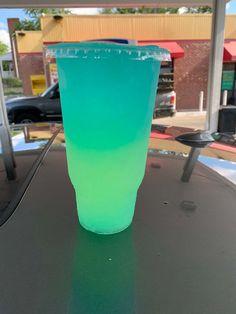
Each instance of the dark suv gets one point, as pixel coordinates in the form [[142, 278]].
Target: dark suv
[[46, 107]]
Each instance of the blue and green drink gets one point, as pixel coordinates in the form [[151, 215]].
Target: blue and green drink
[[107, 95]]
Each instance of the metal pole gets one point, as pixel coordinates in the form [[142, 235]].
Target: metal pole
[[225, 97], [190, 164], [14, 55], [200, 105], [215, 64], [3, 112], [214, 80], [7, 151]]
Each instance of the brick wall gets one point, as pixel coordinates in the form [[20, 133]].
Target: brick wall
[[191, 74], [11, 23], [29, 64]]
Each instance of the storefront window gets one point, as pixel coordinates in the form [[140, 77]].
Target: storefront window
[[229, 82], [166, 78]]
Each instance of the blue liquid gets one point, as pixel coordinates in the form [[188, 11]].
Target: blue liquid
[[107, 93]]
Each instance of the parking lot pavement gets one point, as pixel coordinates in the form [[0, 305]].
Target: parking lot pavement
[[194, 120]]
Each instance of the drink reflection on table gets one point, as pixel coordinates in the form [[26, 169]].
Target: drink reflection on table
[[103, 273]]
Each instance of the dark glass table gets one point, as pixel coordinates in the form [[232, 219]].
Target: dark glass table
[[178, 256]]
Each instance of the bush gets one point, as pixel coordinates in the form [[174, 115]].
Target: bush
[[12, 82]]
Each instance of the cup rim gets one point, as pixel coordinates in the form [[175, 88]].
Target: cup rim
[[103, 50]]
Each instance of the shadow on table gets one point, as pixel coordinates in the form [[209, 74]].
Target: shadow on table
[[103, 273]]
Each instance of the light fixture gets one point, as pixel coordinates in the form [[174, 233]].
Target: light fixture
[[57, 17]]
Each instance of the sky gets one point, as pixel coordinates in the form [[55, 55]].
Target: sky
[[7, 13]]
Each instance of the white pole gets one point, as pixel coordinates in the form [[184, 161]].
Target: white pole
[[215, 65], [5, 139], [3, 113], [14, 55], [201, 97], [225, 96]]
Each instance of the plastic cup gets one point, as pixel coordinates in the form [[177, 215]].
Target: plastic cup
[[107, 95]]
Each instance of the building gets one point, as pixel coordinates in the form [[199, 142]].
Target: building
[[6, 65], [186, 36]]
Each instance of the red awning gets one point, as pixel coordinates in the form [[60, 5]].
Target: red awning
[[230, 51], [175, 50]]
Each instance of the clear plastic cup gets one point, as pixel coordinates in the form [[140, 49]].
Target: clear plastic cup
[[107, 95]]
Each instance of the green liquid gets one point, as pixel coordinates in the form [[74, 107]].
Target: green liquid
[[107, 98]]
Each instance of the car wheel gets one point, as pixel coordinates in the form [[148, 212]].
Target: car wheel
[[26, 118]]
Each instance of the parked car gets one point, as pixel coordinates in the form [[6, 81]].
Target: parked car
[[45, 107], [165, 104]]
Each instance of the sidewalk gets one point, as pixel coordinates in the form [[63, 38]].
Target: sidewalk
[[189, 119]]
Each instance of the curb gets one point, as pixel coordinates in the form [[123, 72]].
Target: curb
[[190, 113]]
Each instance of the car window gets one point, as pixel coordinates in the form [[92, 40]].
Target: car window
[[48, 90], [56, 93]]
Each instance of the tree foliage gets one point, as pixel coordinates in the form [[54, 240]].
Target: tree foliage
[[143, 10], [34, 14], [202, 9], [26, 25], [3, 48]]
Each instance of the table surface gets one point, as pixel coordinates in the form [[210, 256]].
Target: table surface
[[178, 256]]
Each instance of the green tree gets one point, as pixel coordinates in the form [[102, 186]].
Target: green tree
[[125, 11], [3, 48], [34, 14], [106, 11], [202, 9], [143, 10], [26, 25]]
